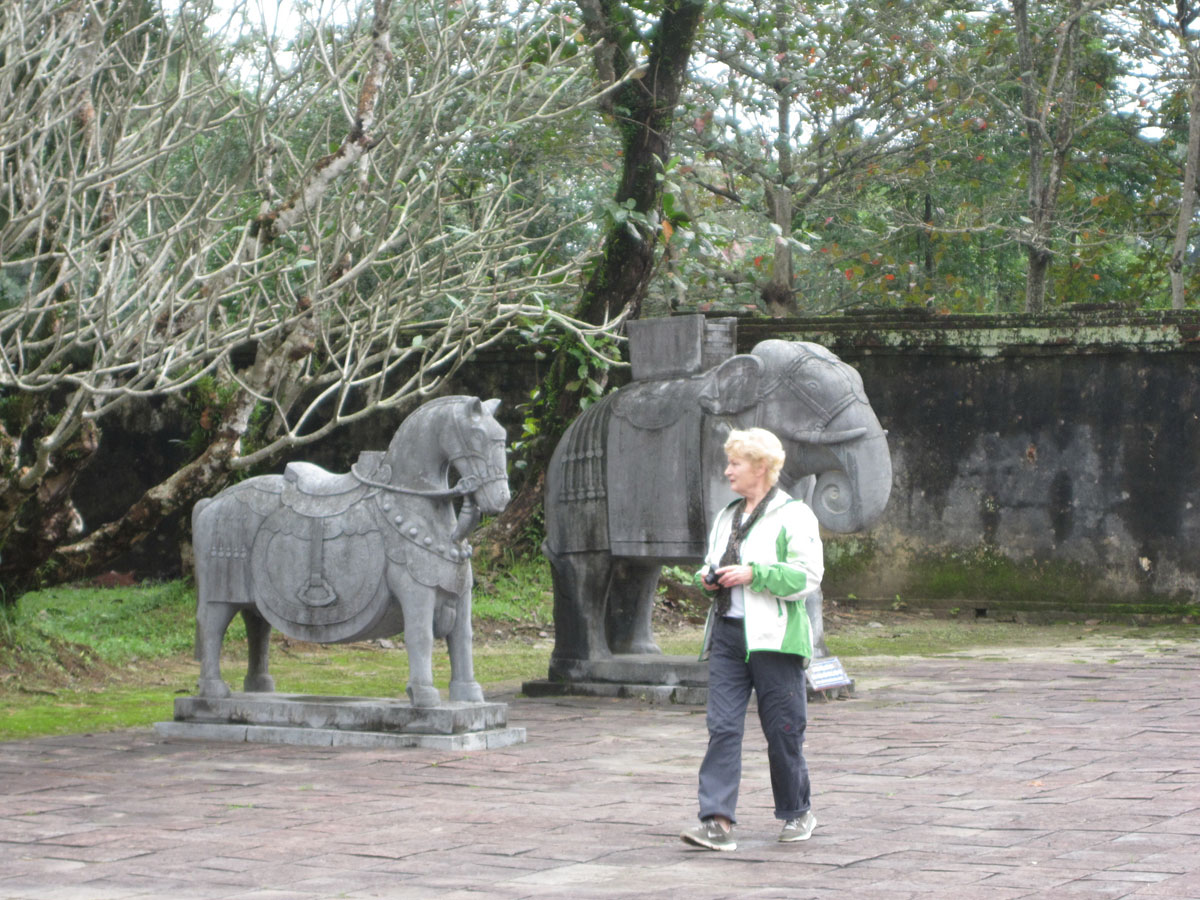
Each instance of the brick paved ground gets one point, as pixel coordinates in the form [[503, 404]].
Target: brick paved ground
[[954, 777]]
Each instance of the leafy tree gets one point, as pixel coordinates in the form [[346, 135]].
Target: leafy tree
[[888, 154], [651, 57], [1166, 37], [803, 114]]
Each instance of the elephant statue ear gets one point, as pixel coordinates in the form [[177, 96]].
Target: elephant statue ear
[[733, 386]]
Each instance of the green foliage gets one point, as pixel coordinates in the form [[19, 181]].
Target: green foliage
[[587, 366], [208, 402], [580, 369], [679, 574], [678, 591], [847, 555], [16, 410], [514, 589], [116, 625], [12, 290], [907, 161]]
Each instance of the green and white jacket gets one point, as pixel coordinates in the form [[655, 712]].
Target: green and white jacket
[[784, 550]]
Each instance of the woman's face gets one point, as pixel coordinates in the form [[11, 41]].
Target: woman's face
[[745, 477]]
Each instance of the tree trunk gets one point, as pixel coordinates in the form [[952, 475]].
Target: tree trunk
[[42, 517], [778, 297], [202, 477], [1037, 102], [509, 530], [622, 275], [619, 282], [1187, 197], [926, 240], [1035, 280]]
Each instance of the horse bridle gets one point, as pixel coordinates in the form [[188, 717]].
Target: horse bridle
[[465, 487]]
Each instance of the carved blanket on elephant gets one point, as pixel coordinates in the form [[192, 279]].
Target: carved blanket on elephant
[[655, 481]]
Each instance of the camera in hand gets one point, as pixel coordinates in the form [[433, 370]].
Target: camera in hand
[[711, 577]]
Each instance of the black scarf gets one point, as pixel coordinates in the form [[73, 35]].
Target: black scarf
[[733, 550]]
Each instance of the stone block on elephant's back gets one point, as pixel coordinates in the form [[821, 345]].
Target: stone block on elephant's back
[[654, 481]]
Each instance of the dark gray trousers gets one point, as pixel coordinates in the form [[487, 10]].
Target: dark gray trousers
[[778, 680]]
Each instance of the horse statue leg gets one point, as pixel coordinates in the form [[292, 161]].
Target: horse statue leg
[[417, 602], [463, 686]]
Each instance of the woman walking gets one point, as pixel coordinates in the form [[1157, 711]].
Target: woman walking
[[764, 557]]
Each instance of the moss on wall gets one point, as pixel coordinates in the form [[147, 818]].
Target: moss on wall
[[847, 556], [982, 582]]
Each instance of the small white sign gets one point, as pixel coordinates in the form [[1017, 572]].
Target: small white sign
[[826, 673]]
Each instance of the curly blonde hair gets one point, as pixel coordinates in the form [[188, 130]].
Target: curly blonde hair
[[758, 446]]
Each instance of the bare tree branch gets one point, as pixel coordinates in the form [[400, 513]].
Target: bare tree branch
[[170, 195]]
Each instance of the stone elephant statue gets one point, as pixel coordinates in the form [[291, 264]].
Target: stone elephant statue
[[637, 479], [332, 558]]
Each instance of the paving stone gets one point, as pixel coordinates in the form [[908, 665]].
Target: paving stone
[[957, 778]]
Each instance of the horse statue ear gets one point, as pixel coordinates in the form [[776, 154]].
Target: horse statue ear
[[490, 406], [733, 386]]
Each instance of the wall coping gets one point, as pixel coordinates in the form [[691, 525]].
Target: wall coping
[[1080, 330]]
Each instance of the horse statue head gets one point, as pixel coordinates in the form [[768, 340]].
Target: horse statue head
[[452, 436]]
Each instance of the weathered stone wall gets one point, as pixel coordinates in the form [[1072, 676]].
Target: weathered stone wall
[[1044, 465]]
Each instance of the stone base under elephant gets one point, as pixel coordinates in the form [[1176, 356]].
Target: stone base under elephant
[[326, 721], [648, 677]]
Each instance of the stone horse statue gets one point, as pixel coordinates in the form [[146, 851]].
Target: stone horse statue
[[379, 550]]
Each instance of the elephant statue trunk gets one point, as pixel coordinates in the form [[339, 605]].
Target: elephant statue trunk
[[851, 496]]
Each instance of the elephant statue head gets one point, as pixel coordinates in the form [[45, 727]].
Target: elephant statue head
[[816, 405]]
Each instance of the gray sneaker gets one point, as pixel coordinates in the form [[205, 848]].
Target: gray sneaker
[[709, 835], [800, 829]]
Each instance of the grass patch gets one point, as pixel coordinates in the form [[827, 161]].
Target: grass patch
[[513, 590], [107, 707], [115, 625], [83, 659], [138, 695]]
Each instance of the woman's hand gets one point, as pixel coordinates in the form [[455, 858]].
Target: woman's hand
[[732, 576]]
